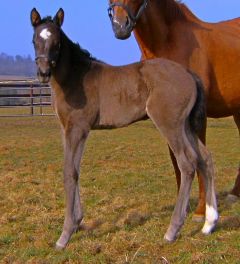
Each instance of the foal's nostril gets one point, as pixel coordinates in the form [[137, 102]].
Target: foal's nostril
[[45, 74], [53, 63]]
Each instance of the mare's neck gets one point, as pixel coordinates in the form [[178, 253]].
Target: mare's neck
[[156, 29]]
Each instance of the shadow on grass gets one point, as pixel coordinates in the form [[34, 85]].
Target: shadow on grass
[[223, 204], [127, 221], [131, 219], [192, 205]]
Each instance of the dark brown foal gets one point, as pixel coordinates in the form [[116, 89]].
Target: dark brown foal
[[88, 94]]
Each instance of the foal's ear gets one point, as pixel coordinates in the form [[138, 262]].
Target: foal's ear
[[35, 17], [59, 17]]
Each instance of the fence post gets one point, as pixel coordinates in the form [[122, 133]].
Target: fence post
[[31, 100], [41, 112]]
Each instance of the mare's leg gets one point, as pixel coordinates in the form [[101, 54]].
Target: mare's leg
[[235, 193], [75, 138]]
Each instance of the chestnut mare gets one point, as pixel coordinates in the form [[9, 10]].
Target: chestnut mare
[[168, 29], [89, 94]]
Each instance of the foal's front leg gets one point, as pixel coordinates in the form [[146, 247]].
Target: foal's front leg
[[73, 150]]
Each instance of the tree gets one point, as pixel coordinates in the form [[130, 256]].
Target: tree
[[18, 65]]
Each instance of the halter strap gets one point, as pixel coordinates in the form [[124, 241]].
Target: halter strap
[[41, 56], [132, 17], [51, 60]]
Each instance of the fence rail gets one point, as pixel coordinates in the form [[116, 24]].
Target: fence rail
[[27, 98]]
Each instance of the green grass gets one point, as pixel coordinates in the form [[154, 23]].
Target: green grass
[[23, 111], [128, 190]]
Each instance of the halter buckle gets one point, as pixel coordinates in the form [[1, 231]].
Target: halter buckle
[[132, 17]]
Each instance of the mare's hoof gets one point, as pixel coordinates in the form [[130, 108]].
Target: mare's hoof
[[231, 198], [199, 218]]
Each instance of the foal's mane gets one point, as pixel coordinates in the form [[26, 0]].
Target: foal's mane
[[47, 19], [78, 54]]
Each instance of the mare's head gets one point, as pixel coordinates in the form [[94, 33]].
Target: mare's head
[[47, 42], [124, 15]]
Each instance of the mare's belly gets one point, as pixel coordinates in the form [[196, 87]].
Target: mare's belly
[[223, 101]]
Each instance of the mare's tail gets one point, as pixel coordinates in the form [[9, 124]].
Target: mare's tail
[[198, 115]]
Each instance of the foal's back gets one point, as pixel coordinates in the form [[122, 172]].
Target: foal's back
[[124, 91]]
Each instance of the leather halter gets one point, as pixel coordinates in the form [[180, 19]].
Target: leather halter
[[53, 61], [132, 17]]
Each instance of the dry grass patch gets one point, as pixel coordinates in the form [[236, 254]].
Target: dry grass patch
[[128, 191]]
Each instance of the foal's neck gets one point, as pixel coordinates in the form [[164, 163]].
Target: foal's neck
[[73, 62], [157, 26]]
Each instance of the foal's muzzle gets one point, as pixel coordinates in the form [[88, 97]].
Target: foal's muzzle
[[44, 68], [44, 76]]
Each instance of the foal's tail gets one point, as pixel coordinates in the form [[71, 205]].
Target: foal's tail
[[198, 115]]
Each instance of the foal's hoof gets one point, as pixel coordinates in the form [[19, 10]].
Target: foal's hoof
[[59, 247], [169, 238], [231, 198], [208, 229], [199, 218]]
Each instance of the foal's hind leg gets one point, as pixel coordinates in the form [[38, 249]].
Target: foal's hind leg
[[175, 133], [190, 157], [73, 149], [199, 214], [186, 160], [235, 193], [205, 166], [176, 169]]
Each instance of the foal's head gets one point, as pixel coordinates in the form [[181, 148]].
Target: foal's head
[[124, 15], [46, 41]]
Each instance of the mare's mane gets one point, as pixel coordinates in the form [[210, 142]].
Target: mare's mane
[[174, 10]]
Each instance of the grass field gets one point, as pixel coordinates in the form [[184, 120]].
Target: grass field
[[128, 190], [25, 111]]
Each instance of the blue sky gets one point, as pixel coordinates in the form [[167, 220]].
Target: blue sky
[[87, 23]]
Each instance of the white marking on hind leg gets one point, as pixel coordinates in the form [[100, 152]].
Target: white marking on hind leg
[[211, 220]]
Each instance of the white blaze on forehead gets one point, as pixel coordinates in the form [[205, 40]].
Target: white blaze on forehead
[[45, 34]]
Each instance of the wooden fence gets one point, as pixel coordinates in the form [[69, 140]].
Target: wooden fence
[[24, 98]]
